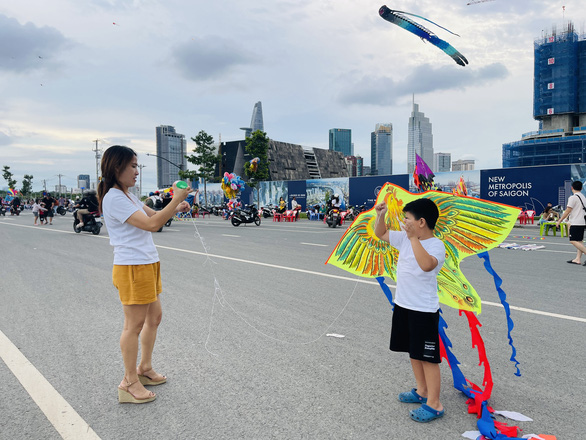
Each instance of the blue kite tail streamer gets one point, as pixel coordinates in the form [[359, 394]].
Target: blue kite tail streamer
[[503, 297], [486, 425], [460, 382], [386, 290]]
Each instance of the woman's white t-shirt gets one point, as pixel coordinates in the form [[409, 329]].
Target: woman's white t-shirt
[[416, 289], [132, 245]]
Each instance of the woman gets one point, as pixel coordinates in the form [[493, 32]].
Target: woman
[[136, 273], [282, 206]]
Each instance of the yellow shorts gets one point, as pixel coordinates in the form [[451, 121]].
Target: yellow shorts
[[137, 284]]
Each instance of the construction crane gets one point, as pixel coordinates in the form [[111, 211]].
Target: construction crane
[[473, 2]]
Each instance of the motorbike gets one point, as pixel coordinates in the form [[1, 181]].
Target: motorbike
[[3, 210], [334, 218], [354, 211], [91, 223], [268, 211], [61, 210], [15, 210], [247, 215]]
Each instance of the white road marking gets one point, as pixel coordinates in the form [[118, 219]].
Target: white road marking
[[357, 280], [62, 416], [537, 312], [316, 244], [228, 235]]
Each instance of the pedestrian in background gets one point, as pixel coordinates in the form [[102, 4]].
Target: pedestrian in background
[[576, 214]]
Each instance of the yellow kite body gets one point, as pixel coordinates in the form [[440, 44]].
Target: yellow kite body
[[466, 225]]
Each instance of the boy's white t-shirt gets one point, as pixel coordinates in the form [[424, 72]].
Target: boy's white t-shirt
[[132, 245], [416, 289]]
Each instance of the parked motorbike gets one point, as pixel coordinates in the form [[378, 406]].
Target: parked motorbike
[[247, 215], [334, 218], [354, 211], [268, 211], [91, 223]]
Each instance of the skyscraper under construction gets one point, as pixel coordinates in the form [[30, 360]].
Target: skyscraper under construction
[[559, 103]]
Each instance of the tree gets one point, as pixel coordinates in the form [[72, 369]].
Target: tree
[[27, 185], [8, 177], [205, 157], [257, 145]]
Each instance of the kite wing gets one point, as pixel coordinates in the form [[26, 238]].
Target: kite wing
[[396, 17], [466, 225]]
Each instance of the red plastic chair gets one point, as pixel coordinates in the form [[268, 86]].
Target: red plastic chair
[[522, 217], [530, 216]]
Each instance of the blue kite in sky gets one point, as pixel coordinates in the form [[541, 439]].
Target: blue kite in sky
[[398, 18]]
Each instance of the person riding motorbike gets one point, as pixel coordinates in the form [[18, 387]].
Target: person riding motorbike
[[334, 202], [89, 203], [15, 206]]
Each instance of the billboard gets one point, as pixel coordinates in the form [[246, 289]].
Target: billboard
[[524, 187]]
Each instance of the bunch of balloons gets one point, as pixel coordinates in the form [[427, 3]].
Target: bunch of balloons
[[231, 185], [254, 164]]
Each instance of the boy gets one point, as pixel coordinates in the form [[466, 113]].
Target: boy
[[416, 314]]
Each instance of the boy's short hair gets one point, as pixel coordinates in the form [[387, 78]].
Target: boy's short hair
[[577, 185], [423, 208]]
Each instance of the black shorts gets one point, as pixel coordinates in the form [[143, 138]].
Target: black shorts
[[577, 233], [49, 212], [416, 333]]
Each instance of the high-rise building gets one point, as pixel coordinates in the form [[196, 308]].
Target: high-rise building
[[559, 103], [351, 164], [420, 140], [381, 150], [83, 181], [442, 162], [463, 165], [256, 122], [341, 140], [359, 166], [372, 166], [171, 151]]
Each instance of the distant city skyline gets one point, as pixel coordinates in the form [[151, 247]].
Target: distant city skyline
[[78, 82]]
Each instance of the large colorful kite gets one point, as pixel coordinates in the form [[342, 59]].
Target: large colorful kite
[[399, 18], [467, 226]]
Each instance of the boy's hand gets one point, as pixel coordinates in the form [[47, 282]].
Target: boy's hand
[[381, 209], [409, 230]]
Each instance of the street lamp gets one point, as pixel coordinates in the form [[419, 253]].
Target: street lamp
[[180, 166]]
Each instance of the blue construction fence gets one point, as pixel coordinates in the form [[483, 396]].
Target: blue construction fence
[[524, 187]]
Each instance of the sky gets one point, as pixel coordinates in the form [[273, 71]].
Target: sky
[[112, 70]]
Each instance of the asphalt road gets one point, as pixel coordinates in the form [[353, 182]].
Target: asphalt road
[[243, 338]]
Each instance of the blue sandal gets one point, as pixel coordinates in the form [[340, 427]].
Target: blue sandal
[[426, 414], [412, 397]]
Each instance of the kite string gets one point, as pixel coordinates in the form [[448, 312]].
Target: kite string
[[221, 299]]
